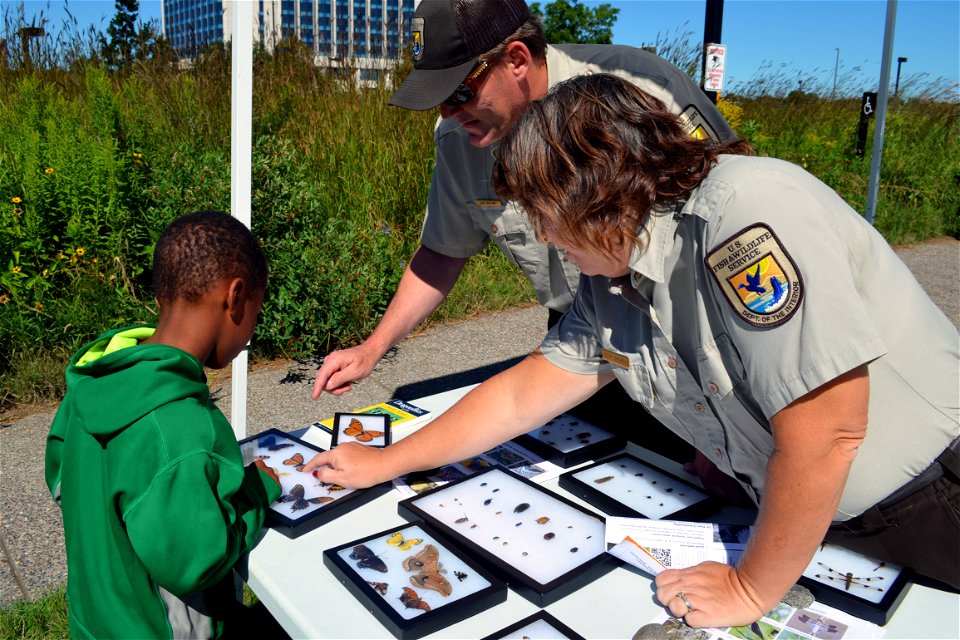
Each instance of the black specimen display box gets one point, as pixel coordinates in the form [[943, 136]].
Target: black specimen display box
[[371, 429], [412, 580], [539, 626], [567, 441], [861, 586], [305, 503], [542, 545], [629, 487]]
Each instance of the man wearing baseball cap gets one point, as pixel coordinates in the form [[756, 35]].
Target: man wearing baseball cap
[[482, 62]]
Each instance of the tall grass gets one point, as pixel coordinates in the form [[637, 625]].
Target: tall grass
[[95, 163]]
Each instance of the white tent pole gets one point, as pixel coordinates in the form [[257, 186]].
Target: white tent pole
[[873, 184], [241, 146]]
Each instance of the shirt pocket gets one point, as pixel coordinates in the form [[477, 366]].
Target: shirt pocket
[[636, 381], [719, 367], [512, 232]]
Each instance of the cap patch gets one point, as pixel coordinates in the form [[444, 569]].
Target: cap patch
[[416, 32], [696, 125], [757, 276]]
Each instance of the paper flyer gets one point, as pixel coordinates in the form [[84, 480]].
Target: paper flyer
[[655, 545], [400, 412], [815, 622]]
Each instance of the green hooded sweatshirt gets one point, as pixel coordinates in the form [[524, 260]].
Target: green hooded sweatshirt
[[157, 505]]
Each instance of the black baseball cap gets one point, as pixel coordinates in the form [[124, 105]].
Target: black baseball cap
[[448, 36]]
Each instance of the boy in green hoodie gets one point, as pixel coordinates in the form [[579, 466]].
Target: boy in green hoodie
[[157, 505]]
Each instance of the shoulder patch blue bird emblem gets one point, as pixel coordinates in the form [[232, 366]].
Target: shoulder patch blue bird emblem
[[757, 276]]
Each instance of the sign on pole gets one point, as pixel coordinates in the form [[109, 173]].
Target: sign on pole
[[716, 60]]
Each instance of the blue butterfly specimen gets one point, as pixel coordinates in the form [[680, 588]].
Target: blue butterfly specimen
[[270, 443]]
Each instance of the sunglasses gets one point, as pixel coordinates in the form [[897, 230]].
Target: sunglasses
[[464, 93]]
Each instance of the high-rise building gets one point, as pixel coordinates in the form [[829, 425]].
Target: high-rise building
[[367, 34]]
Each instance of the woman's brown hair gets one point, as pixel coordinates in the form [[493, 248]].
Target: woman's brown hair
[[590, 160]]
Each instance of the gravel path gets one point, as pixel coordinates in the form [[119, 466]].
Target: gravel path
[[278, 397]]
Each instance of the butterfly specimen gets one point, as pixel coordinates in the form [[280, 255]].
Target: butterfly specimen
[[299, 502], [397, 540], [367, 559], [356, 430], [295, 461], [411, 600], [270, 443], [427, 564], [379, 587], [848, 579]]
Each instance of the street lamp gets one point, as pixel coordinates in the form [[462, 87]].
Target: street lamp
[[896, 87]]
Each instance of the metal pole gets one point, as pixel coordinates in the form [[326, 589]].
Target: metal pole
[[836, 68], [241, 136], [873, 185], [712, 34]]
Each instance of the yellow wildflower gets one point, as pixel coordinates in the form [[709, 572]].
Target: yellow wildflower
[[46, 272], [38, 305], [16, 269], [16, 200], [80, 251], [48, 171], [4, 299], [73, 259], [60, 256]]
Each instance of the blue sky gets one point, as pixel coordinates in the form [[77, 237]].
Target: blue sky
[[796, 39]]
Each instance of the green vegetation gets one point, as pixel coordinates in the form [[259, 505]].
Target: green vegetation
[[45, 618], [96, 159]]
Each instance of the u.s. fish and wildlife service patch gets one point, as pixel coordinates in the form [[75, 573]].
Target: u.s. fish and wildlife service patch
[[757, 276], [416, 32]]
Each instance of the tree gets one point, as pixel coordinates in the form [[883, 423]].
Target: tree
[[120, 48], [568, 21]]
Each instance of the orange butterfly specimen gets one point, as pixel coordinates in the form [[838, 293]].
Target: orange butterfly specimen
[[295, 461], [411, 600], [356, 430], [427, 563]]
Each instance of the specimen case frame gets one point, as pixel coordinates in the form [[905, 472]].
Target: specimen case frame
[[558, 454], [488, 535], [485, 590], [379, 421], [543, 616], [855, 592], [672, 489], [281, 514]]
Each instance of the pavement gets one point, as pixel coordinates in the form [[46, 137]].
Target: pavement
[[442, 358]]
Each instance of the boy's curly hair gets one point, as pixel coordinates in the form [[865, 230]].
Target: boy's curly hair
[[203, 248]]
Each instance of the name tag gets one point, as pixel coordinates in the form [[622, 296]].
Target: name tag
[[618, 359], [488, 203]]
